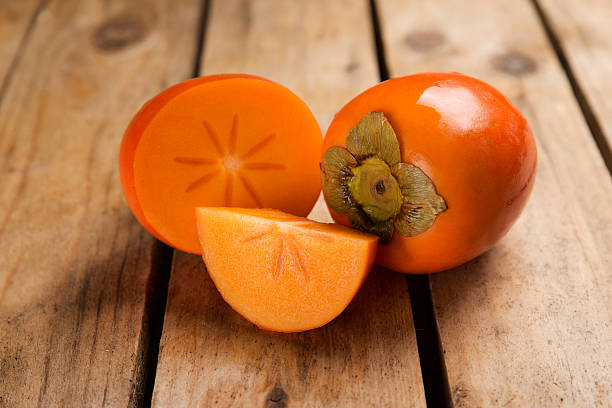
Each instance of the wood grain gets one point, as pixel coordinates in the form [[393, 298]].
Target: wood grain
[[530, 322], [74, 264], [584, 33], [209, 355], [17, 17]]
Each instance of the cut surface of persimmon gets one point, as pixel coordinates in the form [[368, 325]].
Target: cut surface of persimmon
[[223, 140], [282, 272]]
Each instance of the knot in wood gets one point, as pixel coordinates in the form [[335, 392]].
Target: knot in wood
[[424, 40], [514, 63], [277, 398], [118, 32]]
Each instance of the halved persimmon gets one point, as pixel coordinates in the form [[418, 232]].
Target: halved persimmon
[[282, 272], [222, 140]]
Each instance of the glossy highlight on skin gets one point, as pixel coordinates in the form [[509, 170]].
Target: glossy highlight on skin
[[471, 142]]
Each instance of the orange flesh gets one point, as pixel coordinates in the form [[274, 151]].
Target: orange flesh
[[226, 140], [282, 272]]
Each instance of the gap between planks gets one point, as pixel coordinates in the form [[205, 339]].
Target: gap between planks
[[583, 103], [431, 355], [100, 284], [435, 380], [156, 295], [220, 357], [498, 347], [433, 370], [157, 290], [437, 391]]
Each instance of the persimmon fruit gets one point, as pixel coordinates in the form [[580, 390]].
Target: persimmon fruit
[[439, 165], [282, 272], [221, 140]]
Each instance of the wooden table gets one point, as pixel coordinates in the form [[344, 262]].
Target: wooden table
[[95, 312]]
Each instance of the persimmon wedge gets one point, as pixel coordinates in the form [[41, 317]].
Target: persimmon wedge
[[222, 140], [282, 272]]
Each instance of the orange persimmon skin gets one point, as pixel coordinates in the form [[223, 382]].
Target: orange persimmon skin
[[221, 140], [471, 142], [298, 274]]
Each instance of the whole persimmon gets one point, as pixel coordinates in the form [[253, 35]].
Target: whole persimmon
[[438, 165]]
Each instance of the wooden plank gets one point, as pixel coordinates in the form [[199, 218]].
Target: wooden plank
[[209, 355], [584, 33], [74, 264], [530, 322], [16, 20]]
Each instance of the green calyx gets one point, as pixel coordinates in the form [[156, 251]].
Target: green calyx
[[375, 189], [367, 182]]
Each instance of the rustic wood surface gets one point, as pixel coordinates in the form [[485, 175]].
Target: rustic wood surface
[[530, 322], [82, 285], [16, 21], [210, 356], [74, 264], [583, 32]]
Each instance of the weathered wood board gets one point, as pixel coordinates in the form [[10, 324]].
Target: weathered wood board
[[527, 324], [74, 263], [584, 33], [17, 17], [209, 355], [530, 322]]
